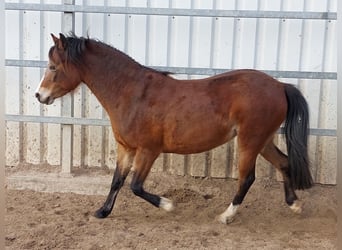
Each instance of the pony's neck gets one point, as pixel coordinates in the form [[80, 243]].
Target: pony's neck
[[107, 70], [108, 64]]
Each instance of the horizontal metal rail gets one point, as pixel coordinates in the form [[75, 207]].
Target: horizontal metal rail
[[57, 120], [172, 11], [106, 122], [200, 71], [274, 73]]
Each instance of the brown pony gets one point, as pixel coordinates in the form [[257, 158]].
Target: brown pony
[[152, 113]]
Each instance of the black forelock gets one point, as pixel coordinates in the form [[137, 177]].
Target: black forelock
[[74, 47]]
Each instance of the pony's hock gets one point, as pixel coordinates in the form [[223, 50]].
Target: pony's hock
[[152, 113]]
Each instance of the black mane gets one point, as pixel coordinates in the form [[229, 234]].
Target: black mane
[[75, 46]]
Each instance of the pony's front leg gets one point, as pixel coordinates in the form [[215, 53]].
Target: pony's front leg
[[142, 164], [123, 166]]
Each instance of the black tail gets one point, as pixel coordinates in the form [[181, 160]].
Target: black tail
[[296, 134]]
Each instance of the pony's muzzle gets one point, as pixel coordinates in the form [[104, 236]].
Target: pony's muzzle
[[45, 100], [37, 95]]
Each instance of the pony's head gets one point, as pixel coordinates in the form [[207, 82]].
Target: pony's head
[[62, 74]]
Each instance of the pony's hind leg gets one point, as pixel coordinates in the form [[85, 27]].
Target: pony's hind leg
[[142, 164], [123, 165], [279, 160], [246, 179]]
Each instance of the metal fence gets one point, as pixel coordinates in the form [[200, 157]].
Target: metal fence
[[294, 42]]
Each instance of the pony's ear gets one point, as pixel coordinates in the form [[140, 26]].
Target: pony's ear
[[63, 41], [60, 42], [54, 38]]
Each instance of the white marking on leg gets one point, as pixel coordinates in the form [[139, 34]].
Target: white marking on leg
[[227, 216], [296, 207], [166, 204]]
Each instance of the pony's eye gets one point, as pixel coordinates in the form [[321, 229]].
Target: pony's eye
[[52, 67]]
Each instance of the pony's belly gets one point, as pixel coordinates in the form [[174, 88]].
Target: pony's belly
[[197, 142]]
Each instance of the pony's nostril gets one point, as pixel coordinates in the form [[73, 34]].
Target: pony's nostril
[[37, 95]]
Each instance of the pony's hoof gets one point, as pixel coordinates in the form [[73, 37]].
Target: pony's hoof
[[166, 204], [228, 216], [101, 214], [296, 207], [225, 219]]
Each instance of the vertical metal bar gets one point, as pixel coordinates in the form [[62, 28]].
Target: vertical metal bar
[[159, 162], [68, 23], [234, 39], [321, 107], [168, 157], [22, 140], [41, 111], [169, 29], [257, 31], [127, 16], [268, 170], [280, 30], [339, 121], [300, 83], [233, 144], [209, 154], [83, 127], [191, 30], [279, 44], [303, 30], [2, 125], [213, 40], [104, 145], [187, 158], [84, 101], [148, 33]]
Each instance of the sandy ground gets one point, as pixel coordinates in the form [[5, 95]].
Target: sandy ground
[[37, 220]]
